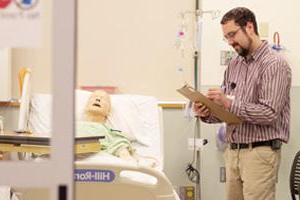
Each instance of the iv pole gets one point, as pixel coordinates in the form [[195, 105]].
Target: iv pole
[[197, 74], [197, 60]]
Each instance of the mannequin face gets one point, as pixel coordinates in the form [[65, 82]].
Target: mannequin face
[[99, 103]]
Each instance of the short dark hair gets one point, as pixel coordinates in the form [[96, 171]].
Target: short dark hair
[[241, 16]]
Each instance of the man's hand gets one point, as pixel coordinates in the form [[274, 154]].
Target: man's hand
[[217, 96], [200, 110]]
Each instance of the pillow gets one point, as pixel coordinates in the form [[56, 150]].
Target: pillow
[[81, 99], [136, 116], [40, 117]]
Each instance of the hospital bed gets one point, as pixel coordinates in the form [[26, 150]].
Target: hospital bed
[[104, 176], [108, 176]]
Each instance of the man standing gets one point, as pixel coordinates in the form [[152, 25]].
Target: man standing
[[256, 88]]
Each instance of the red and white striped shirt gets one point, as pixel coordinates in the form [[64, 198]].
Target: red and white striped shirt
[[261, 89]]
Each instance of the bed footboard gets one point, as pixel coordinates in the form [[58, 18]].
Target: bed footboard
[[114, 182]]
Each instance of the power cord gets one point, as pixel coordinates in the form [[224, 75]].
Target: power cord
[[192, 173]]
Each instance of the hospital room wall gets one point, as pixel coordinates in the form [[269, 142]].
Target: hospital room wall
[[131, 45], [127, 44], [38, 59]]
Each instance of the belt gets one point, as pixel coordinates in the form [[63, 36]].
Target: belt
[[253, 144]]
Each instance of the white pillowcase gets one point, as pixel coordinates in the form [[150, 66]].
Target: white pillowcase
[[136, 116], [81, 99]]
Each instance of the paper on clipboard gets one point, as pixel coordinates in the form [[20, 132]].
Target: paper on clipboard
[[214, 108]]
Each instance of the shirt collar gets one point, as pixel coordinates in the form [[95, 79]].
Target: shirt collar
[[257, 53], [260, 50]]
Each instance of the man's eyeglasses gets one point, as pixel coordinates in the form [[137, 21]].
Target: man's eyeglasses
[[231, 35]]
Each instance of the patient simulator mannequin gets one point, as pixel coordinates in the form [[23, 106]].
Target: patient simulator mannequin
[[96, 112]]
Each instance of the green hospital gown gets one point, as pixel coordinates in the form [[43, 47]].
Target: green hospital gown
[[113, 141]]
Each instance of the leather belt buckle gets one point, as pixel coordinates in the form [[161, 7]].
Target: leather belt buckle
[[235, 146], [239, 146]]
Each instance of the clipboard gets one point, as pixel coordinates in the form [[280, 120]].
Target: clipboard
[[218, 111]]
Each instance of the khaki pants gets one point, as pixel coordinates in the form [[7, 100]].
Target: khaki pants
[[251, 174]]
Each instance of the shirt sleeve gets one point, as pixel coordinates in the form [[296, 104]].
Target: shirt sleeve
[[272, 95]]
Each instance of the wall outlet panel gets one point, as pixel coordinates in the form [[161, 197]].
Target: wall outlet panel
[[187, 192]]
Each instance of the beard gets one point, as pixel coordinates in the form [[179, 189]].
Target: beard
[[240, 50], [243, 51]]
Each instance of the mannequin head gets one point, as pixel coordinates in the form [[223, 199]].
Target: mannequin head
[[98, 107]]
